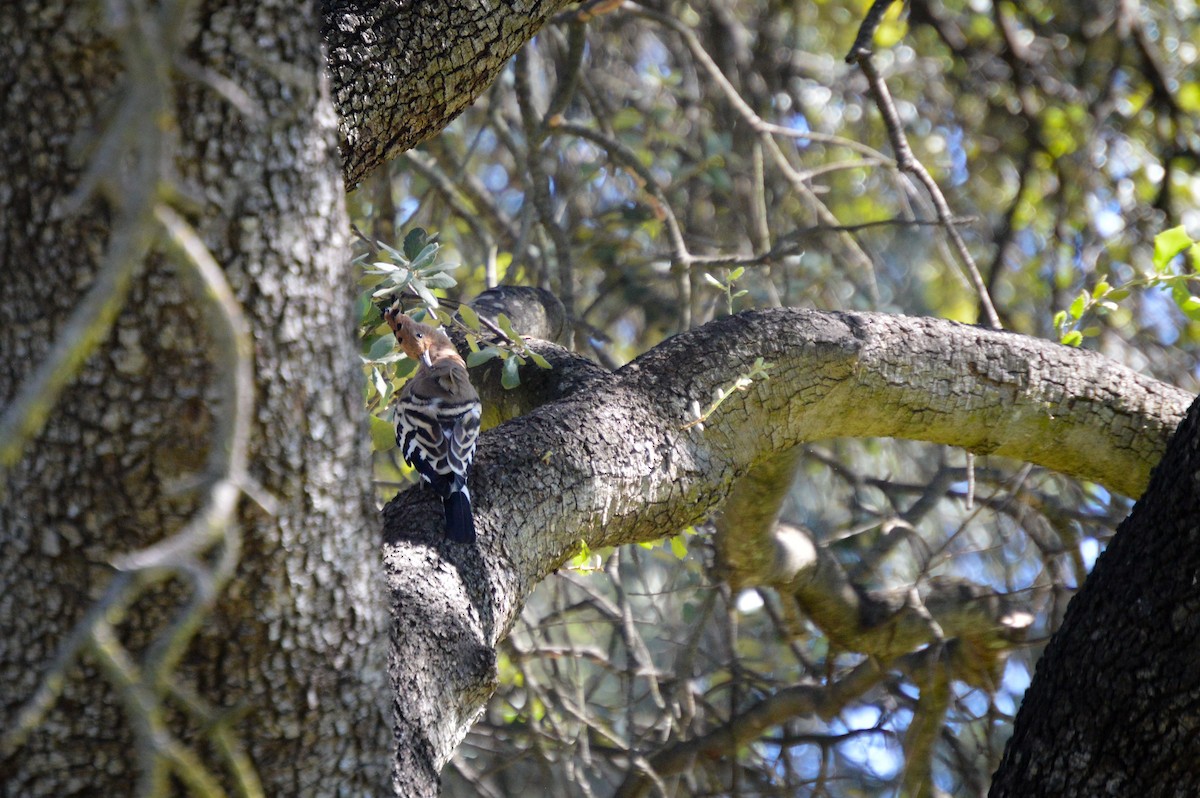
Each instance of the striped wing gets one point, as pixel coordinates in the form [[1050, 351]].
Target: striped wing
[[437, 437]]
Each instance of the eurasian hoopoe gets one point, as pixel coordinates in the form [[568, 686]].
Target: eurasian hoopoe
[[437, 419]]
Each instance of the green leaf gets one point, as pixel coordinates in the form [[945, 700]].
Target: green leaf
[[1116, 295], [367, 312], [1073, 338], [506, 327], [382, 386], [404, 367], [679, 547], [737, 273], [541, 362], [440, 280], [1191, 307], [469, 317], [1168, 244], [482, 356], [510, 378], [1077, 307], [1060, 319], [381, 346], [426, 295], [425, 259], [625, 118], [714, 282], [383, 434], [1101, 289], [414, 242]]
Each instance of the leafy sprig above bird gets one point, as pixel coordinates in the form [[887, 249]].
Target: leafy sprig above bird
[[410, 274]]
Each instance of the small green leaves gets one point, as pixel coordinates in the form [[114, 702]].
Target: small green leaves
[[414, 242], [509, 378], [758, 371], [513, 351], [381, 347], [415, 270], [506, 327], [1167, 245], [1105, 298], [1073, 338], [469, 317], [383, 434], [1079, 305], [726, 286], [482, 356]]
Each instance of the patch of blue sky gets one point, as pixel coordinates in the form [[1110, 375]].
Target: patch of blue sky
[[1158, 312], [958, 156], [406, 210], [1089, 551], [653, 56], [798, 122], [879, 753], [1104, 210], [495, 177], [1013, 685]]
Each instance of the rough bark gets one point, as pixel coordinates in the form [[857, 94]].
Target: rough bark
[[402, 70], [614, 464], [1114, 706], [294, 643], [294, 648]]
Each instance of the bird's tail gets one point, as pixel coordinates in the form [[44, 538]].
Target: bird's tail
[[460, 523]]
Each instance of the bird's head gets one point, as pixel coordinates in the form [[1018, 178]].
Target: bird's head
[[415, 339]]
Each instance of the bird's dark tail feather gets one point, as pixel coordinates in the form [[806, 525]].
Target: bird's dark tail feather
[[460, 524]]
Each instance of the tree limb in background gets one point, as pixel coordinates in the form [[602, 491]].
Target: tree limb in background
[[612, 465]]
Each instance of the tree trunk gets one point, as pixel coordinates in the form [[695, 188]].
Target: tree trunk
[[292, 660], [1113, 709], [222, 108]]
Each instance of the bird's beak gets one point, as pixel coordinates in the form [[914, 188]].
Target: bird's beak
[[427, 360]]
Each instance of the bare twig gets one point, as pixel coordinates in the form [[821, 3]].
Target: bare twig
[[907, 162]]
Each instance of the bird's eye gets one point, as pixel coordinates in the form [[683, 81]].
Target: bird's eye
[[420, 336]]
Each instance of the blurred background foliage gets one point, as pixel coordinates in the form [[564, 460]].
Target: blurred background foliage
[[633, 158]]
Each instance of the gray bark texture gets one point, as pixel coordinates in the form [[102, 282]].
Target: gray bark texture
[[1114, 706], [292, 659], [111, 113], [403, 69], [616, 463]]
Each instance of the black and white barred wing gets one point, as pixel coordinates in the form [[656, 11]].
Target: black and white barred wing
[[437, 437]]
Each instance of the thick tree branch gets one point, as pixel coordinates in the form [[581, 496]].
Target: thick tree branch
[[615, 464], [403, 71]]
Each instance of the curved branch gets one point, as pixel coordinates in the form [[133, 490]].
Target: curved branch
[[824, 700], [614, 464]]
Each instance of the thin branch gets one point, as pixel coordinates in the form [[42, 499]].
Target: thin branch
[[800, 700], [907, 162], [767, 133]]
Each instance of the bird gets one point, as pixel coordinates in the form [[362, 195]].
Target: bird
[[437, 419]]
